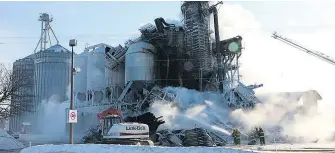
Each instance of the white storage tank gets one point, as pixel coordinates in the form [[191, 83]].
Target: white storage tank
[[52, 74], [140, 62], [80, 79], [115, 76], [96, 69]]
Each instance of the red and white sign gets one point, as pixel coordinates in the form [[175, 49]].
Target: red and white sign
[[73, 116]]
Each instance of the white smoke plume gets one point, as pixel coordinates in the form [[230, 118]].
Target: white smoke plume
[[282, 68], [192, 109], [52, 118]]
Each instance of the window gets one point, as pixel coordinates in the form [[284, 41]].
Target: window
[[108, 123]]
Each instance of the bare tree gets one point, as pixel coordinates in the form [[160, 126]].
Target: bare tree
[[16, 91]]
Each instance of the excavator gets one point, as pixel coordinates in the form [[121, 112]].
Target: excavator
[[115, 131]]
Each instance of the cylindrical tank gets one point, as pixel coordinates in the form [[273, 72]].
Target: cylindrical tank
[[115, 76], [80, 79], [52, 74], [96, 69], [140, 62], [23, 68]]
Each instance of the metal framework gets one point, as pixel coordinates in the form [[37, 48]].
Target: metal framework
[[45, 32], [197, 42]]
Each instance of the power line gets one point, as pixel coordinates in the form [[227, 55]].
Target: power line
[[113, 36]]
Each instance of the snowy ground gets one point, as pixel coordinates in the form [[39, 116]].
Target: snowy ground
[[7, 142], [89, 148], [308, 147], [270, 148]]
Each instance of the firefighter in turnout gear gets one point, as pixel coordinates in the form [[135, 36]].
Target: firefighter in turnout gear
[[253, 135], [237, 137], [261, 135]]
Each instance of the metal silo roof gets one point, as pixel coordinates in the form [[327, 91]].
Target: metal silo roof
[[57, 48]]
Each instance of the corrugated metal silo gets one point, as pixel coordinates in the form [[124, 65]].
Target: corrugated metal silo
[[140, 62], [24, 68], [96, 69], [80, 79], [52, 73]]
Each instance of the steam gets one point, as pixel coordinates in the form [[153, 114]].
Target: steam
[[310, 123], [52, 118], [282, 68], [192, 109]]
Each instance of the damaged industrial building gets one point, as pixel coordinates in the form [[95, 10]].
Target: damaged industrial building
[[131, 77]]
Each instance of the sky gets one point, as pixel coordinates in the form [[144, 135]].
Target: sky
[[265, 60]]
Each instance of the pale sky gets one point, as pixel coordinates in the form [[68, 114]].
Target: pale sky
[[265, 60]]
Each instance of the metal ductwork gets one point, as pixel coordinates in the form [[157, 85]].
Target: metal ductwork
[[214, 10]]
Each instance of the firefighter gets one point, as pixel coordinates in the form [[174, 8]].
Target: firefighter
[[237, 137], [253, 136], [261, 135]]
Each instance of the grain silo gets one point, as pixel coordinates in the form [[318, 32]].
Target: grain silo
[[52, 74], [23, 68], [96, 69], [80, 79]]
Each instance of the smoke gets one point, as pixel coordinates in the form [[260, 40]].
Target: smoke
[[192, 109], [290, 114], [52, 118], [280, 68]]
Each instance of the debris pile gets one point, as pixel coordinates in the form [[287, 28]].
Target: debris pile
[[193, 137], [93, 135]]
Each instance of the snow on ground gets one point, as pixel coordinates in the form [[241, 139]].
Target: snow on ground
[[101, 148], [7, 142], [299, 146], [305, 147]]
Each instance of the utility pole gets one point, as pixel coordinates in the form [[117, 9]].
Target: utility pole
[[72, 43]]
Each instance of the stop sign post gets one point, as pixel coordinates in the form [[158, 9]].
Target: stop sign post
[[72, 116]]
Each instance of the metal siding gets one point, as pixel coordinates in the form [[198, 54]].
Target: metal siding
[[139, 62], [52, 75], [80, 79], [26, 67], [115, 76], [96, 69]]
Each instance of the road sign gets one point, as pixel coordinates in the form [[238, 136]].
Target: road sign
[[72, 116]]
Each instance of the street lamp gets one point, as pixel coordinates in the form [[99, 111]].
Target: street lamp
[[72, 43]]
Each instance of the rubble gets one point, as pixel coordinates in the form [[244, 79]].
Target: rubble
[[193, 137]]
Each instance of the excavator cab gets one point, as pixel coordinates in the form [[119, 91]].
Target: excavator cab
[[108, 118], [108, 122]]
